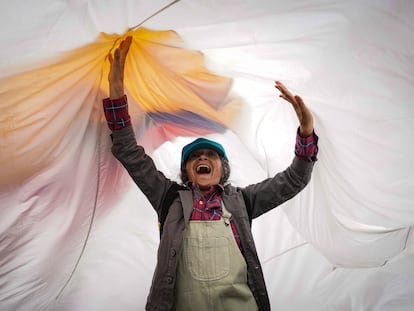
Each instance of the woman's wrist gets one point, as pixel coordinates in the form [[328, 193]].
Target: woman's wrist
[[116, 91]]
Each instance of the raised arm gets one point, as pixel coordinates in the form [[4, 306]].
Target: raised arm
[[268, 194]]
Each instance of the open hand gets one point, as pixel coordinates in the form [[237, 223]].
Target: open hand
[[302, 111], [116, 72]]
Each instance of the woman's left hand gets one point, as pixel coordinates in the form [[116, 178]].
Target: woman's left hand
[[305, 116]]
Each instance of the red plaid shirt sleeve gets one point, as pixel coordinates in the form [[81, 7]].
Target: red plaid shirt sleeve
[[116, 113], [306, 148]]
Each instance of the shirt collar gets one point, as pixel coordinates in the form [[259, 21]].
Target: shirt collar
[[215, 188]]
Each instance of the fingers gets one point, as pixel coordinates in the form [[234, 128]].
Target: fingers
[[285, 93], [124, 46], [128, 41], [295, 100], [303, 113], [279, 85], [284, 97], [116, 55], [121, 52]]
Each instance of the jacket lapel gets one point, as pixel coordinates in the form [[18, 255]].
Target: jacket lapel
[[187, 203]]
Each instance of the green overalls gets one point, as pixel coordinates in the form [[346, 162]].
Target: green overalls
[[212, 273]]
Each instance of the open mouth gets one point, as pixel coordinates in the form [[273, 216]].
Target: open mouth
[[203, 169]]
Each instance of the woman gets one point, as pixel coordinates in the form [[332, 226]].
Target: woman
[[207, 258]]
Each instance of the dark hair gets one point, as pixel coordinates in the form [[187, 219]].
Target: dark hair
[[225, 176]]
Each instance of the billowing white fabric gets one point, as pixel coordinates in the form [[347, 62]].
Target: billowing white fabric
[[77, 234]]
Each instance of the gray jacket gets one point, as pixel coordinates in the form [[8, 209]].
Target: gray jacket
[[244, 204]]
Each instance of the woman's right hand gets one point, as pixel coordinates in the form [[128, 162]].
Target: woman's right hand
[[116, 72]]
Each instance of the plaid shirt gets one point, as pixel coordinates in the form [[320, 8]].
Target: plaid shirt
[[116, 113], [208, 207], [306, 148]]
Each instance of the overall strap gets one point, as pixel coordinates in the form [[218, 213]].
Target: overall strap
[[226, 215]]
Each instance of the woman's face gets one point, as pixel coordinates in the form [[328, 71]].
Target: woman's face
[[204, 168]]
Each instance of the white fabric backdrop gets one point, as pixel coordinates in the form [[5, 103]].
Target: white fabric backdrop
[[76, 233]]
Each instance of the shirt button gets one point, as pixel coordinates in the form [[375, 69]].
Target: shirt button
[[173, 252], [169, 279]]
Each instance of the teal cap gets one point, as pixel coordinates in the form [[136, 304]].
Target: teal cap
[[201, 143]]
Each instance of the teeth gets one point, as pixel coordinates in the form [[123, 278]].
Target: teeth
[[203, 169]]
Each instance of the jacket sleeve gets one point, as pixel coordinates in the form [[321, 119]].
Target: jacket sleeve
[[140, 167], [268, 194]]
